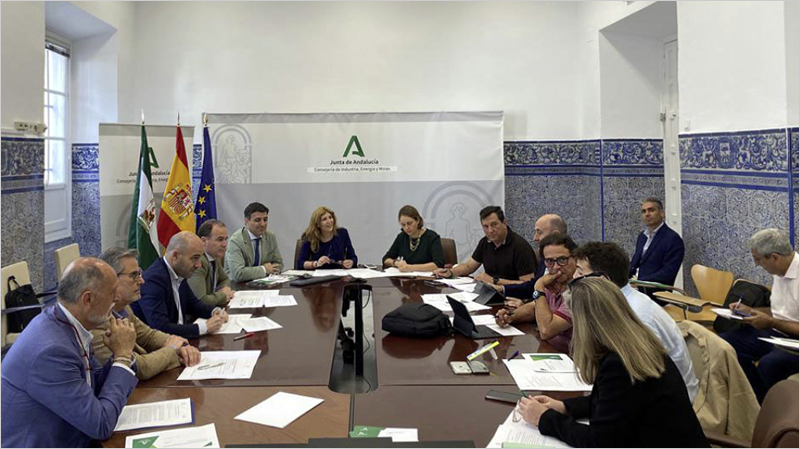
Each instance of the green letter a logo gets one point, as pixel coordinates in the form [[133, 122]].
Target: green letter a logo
[[358, 151]]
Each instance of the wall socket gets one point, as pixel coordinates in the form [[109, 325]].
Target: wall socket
[[30, 127]]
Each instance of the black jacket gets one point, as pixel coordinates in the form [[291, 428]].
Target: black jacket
[[652, 413]]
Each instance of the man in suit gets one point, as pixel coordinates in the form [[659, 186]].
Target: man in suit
[[659, 249], [154, 351], [253, 251], [210, 283], [168, 303], [55, 393]]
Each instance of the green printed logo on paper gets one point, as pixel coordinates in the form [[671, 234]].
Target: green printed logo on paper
[[358, 151], [145, 442]]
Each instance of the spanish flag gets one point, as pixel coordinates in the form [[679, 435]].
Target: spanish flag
[[177, 207]]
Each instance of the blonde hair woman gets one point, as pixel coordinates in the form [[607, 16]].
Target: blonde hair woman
[[324, 244], [638, 396]]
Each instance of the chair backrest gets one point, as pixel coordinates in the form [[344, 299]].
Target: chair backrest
[[712, 285], [297, 247], [64, 256], [450, 254], [776, 425], [20, 272]]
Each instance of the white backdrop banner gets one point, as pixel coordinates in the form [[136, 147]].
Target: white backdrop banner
[[119, 162], [448, 165]]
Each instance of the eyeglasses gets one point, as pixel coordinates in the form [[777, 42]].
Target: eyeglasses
[[593, 274], [134, 275], [561, 261]]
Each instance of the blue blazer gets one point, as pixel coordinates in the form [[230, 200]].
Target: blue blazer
[[339, 248], [46, 400], [663, 258], [157, 304]]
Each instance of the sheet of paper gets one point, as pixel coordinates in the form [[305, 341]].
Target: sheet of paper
[[394, 272], [527, 378], [233, 326], [259, 324], [155, 414], [279, 410], [457, 281], [488, 321], [251, 299], [400, 435], [366, 273], [297, 272], [785, 342], [222, 365], [727, 313], [439, 301], [336, 272], [280, 301], [465, 287], [203, 436], [552, 363], [464, 296], [522, 433]]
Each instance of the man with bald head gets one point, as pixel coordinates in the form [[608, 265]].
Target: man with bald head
[[55, 393], [168, 303]]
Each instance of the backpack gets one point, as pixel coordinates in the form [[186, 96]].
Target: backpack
[[751, 295], [417, 319], [21, 296]]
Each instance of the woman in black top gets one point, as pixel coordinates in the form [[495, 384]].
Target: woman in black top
[[415, 248], [638, 398]]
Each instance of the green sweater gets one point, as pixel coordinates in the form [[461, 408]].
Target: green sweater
[[429, 249]]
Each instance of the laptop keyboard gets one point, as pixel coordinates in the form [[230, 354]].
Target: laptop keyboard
[[483, 332]]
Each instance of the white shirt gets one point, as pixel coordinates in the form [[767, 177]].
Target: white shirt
[[650, 235], [785, 295], [665, 329], [176, 284], [85, 340], [253, 239]]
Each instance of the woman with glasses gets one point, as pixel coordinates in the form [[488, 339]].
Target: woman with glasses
[[416, 248], [548, 308], [638, 396], [324, 244]]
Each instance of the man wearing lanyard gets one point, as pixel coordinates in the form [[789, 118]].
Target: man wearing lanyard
[[210, 283], [55, 393]]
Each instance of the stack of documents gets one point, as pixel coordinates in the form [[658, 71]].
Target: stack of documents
[[259, 324], [439, 301], [254, 299], [394, 272], [544, 374], [784, 342], [727, 313], [155, 414], [551, 363], [203, 436], [233, 326], [489, 321], [522, 433], [222, 365], [279, 410]]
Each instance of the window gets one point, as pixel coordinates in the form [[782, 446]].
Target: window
[[56, 96], [57, 148]]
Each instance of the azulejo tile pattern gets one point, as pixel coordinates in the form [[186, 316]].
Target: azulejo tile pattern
[[23, 204], [86, 198], [579, 152], [633, 152], [733, 184], [50, 276]]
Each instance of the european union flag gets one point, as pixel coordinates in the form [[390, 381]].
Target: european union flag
[[205, 207]]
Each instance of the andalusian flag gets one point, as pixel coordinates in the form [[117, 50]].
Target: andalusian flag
[[142, 233], [206, 205], [177, 210]]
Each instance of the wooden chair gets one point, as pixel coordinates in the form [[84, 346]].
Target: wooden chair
[[297, 246], [20, 272], [450, 254], [65, 256], [713, 286]]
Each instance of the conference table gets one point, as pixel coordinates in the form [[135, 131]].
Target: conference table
[[416, 387]]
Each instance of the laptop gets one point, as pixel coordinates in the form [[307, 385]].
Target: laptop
[[487, 295], [463, 323]]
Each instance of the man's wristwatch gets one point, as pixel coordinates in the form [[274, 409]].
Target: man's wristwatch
[[537, 294], [496, 280]]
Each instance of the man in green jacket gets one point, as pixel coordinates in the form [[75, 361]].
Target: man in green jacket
[[253, 251], [155, 351], [210, 283]]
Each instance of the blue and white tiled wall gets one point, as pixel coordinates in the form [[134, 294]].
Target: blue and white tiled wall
[[23, 204], [733, 184], [595, 185]]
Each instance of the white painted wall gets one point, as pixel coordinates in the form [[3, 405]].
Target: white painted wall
[[22, 54], [630, 86], [732, 65], [792, 26], [94, 85], [350, 57]]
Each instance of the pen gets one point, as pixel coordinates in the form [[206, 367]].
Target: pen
[[516, 353], [242, 337], [736, 306], [216, 365]]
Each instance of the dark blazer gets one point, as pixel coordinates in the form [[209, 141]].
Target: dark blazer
[[525, 289], [652, 413], [46, 400], [157, 305], [663, 258]]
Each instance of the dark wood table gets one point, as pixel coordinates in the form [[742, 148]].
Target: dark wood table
[[219, 405], [301, 353]]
